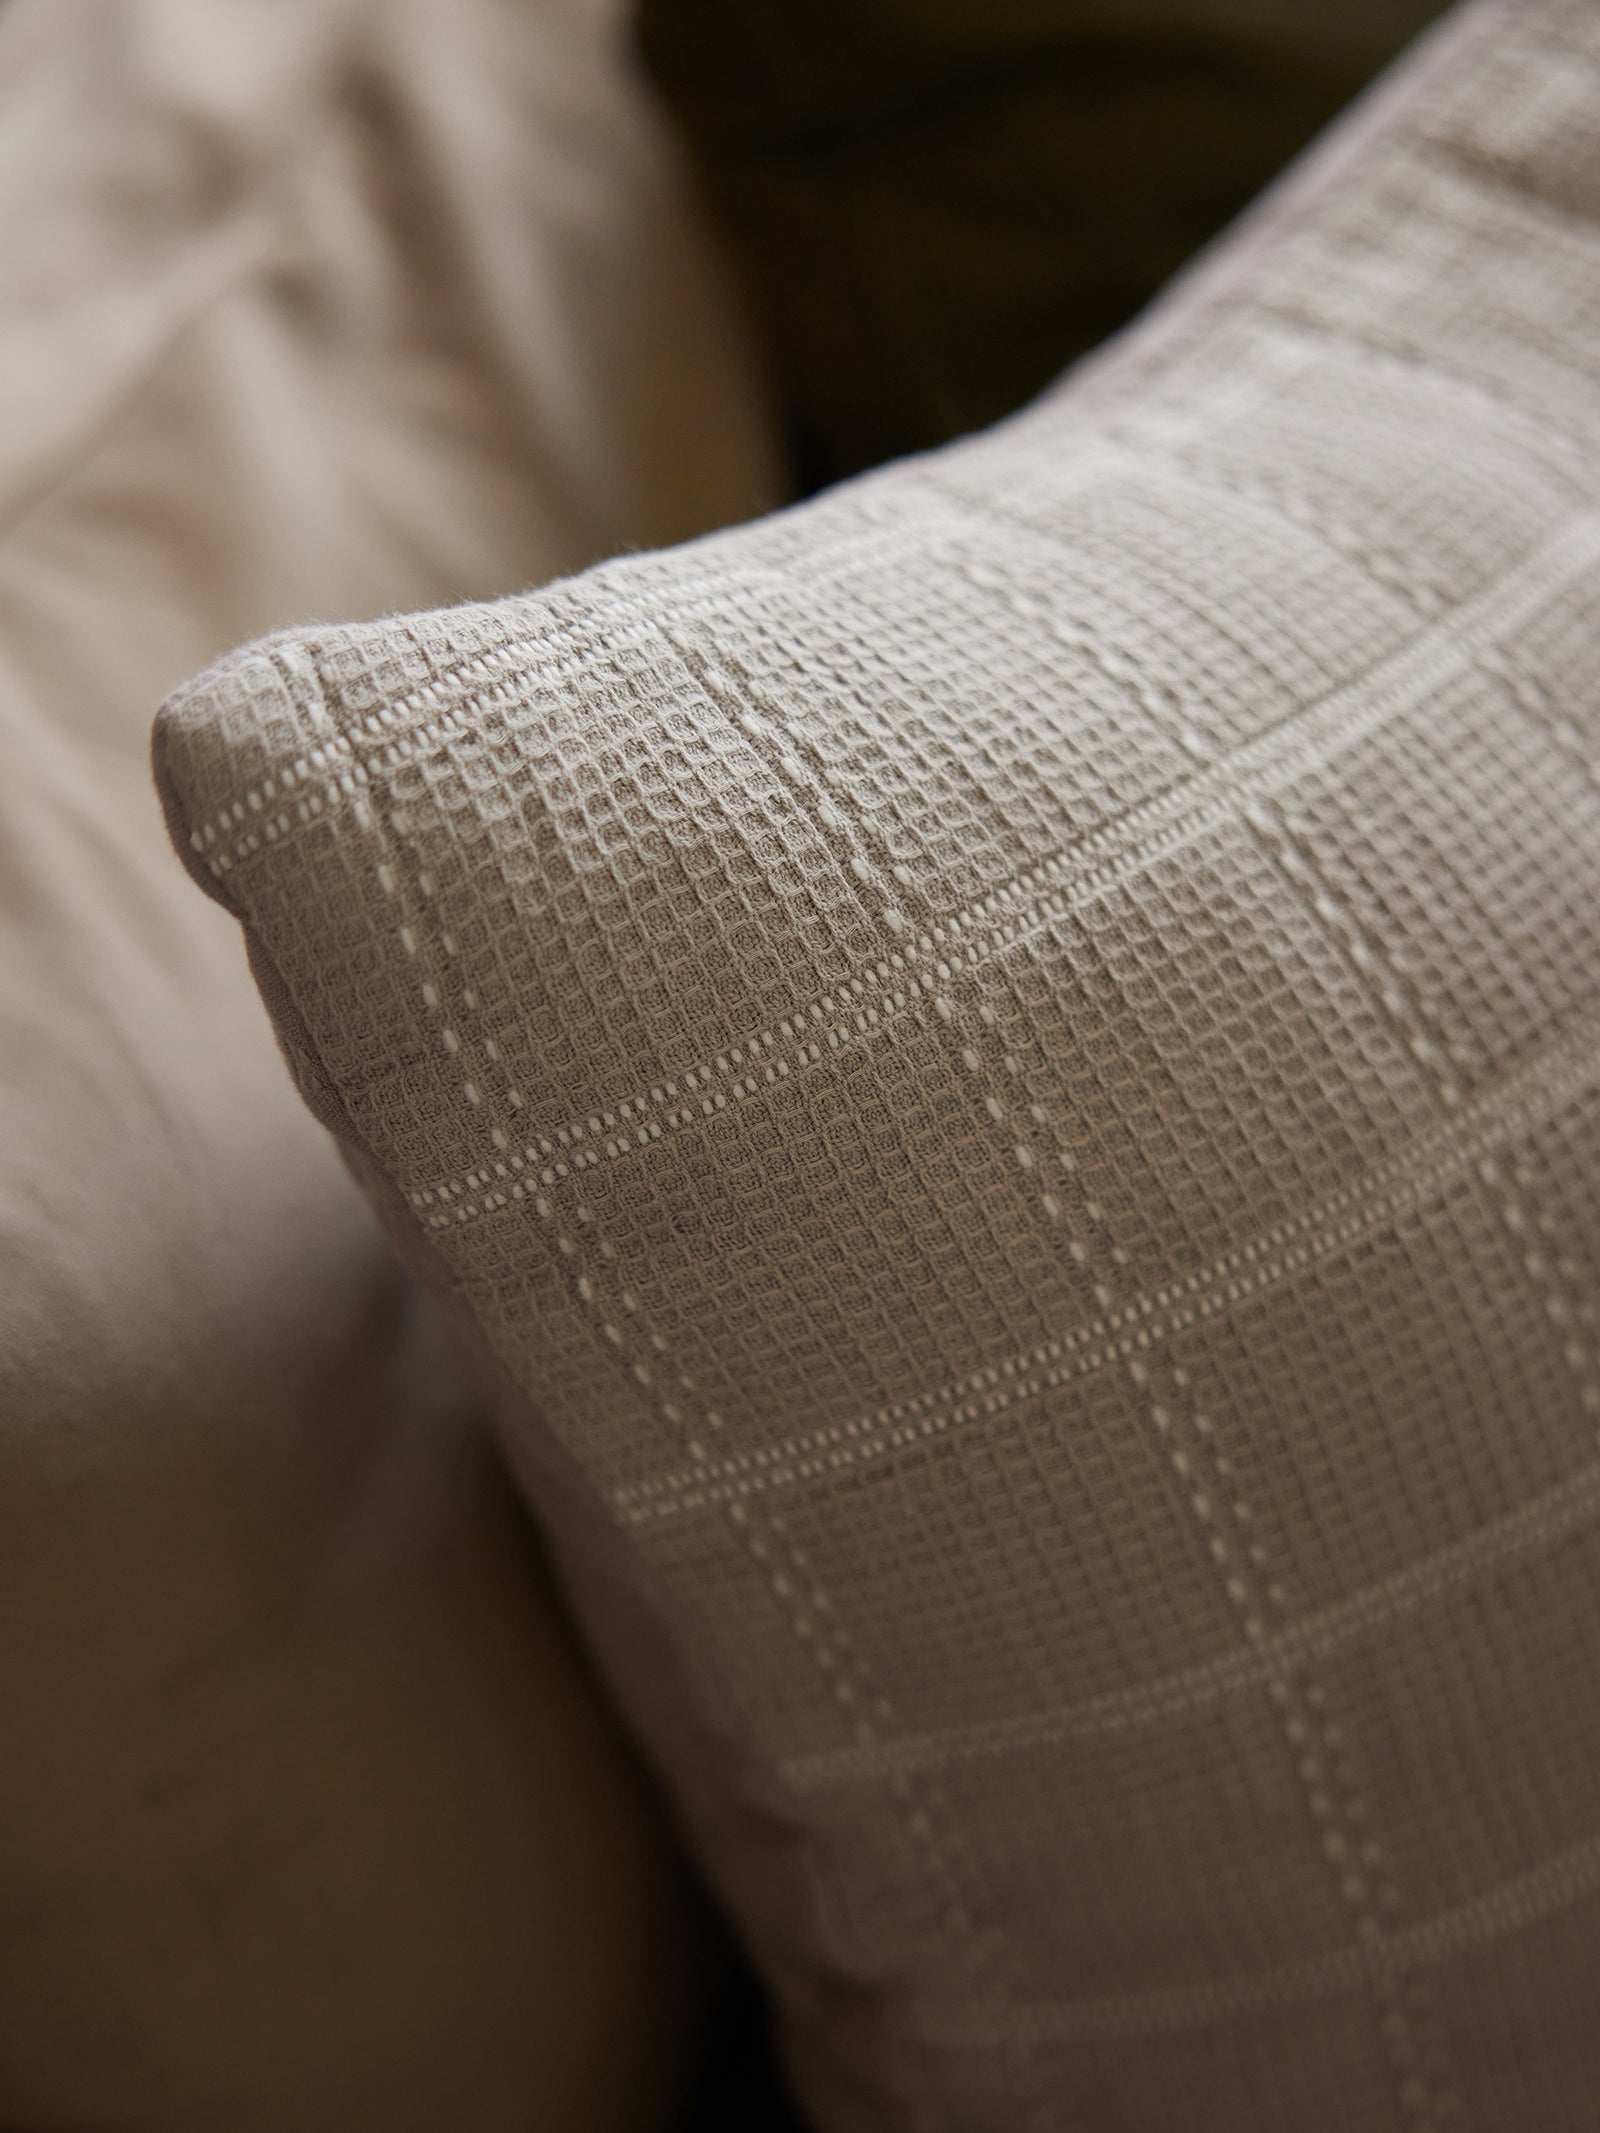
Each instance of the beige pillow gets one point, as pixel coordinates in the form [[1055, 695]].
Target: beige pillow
[[1001, 1073]]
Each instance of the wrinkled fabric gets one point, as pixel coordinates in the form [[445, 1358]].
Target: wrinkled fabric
[[307, 1813]]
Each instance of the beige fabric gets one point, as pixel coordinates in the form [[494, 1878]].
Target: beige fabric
[[307, 1815], [1009, 1061]]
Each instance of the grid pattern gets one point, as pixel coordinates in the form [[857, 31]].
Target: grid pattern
[[1009, 1059]]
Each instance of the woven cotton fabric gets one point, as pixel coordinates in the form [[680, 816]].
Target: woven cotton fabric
[[1008, 1061]]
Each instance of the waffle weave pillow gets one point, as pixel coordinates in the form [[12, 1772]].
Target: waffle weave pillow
[[1001, 1073]]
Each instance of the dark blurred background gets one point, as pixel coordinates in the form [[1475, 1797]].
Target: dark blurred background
[[937, 204]]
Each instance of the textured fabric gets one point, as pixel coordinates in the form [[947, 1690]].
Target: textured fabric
[[310, 1815], [936, 203], [1005, 1067]]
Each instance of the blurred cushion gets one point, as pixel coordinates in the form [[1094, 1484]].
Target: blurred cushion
[[935, 204], [309, 1814], [1000, 1072]]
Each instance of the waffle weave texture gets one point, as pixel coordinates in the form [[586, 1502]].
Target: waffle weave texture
[[1005, 1068]]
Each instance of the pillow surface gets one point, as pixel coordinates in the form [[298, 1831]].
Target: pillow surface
[[1001, 1073]]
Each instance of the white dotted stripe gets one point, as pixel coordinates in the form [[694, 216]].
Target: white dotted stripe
[[1353, 1853], [911, 973], [1183, 719], [737, 696], [265, 798], [1570, 1506], [820, 1633], [667, 1107], [1532, 699], [1551, 1279], [1204, 1478], [1409, 2023], [743, 702], [421, 887], [1565, 450], [1185, 715], [812, 1621], [347, 784], [1544, 1891], [1020, 1121], [1340, 1220], [1394, 573], [1413, 1022], [1425, 1041], [354, 783]]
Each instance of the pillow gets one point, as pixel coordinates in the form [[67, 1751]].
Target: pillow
[[1000, 1074], [935, 203]]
